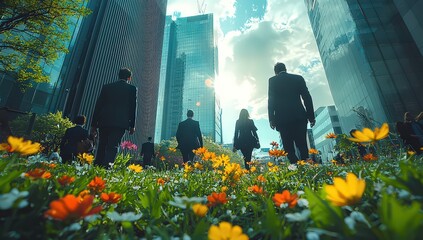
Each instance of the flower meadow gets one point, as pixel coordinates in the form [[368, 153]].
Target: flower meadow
[[214, 197]]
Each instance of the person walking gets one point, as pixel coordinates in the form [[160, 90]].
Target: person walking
[[287, 113], [189, 137], [72, 137], [114, 113], [245, 138], [147, 152]]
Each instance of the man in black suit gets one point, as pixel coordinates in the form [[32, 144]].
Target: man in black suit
[[114, 112], [287, 113], [147, 152], [73, 135], [189, 137]]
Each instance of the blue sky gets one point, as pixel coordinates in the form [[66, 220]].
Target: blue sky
[[252, 35]]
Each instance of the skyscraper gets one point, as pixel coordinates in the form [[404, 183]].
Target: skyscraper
[[189, 68], [372, 61], [40, 96], [119, 33]]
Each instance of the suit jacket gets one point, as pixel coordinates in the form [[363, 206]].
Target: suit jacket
[[70, 139], [188, 135], [245, 134], [116, 106], [284, 102], [147, 149]]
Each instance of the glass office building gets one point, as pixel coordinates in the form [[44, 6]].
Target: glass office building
[[327, 121], [119, 33], [372, 62], [41, 96], [187, 77]]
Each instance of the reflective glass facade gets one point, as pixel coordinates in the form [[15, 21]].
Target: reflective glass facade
[[372, 62], [188, 77], [41, 96], [327, 121], [119, 33]]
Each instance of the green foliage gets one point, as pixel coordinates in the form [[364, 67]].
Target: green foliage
[[48, 129], [34, 33]]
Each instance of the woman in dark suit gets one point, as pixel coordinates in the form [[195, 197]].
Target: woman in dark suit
[[73, 135], [245, 138]]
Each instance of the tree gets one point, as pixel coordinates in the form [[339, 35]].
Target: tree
[[48, 129], [33, 33]]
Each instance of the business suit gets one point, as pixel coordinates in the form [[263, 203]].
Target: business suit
[[245, 139], [115, 112], [73, 135], [287, 112], [189, 138], [147, 152]]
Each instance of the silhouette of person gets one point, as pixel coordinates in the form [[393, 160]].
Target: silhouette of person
[[245, 138], [115, 112], [73, 135], [189, 137], [147, 152], [411, 132], [287, 113]]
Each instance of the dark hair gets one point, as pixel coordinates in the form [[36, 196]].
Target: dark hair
[[80, 120], [279, 67], [244, 115], [190, 113], [125, 73], [149, 138]]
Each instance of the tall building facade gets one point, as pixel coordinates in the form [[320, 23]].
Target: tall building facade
[[188, 71], [119, 33], [372, 62], [40, 97], [327, 121]]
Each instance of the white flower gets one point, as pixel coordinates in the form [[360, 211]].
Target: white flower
[[283, 205], [299, 193], [7, 200], [312, 236], [182, 202], [302, 202], [298, 217], [350, 222], [292, 167], [124, 217]]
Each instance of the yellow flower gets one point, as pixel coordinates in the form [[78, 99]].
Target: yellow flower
[[301, 162], [200, 209], [86, 158], [369, 136], [18, 145], [411, 153], [270, 164], [345, 192], [224, 188], [172, 149], [198, 166], [226, 231], [135, 167], [253, 169], [162, 158]]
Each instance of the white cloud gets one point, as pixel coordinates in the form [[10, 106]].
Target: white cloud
[[247, 56]]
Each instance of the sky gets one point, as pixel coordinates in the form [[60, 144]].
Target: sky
[[252, 35]]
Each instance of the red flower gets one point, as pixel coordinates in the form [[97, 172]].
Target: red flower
[[38, 173], [217, 198], [111, 197], [71, 208], [97, 184], [66, 180], [285, 197], [256, 189]]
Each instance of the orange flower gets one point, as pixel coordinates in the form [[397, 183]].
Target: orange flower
[[97, 184], [162, 158], [285, 197], [66, 180], [217, 198], [70, 208], [19, 145], [161, 181], [313, 151], [260, 178], [274, 144], [369, 157], [277, 153], [38, 173], [256, 189], [331, 135], [111, 197]]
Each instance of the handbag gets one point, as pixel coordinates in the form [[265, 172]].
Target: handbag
[[84, 146]]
